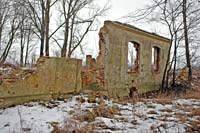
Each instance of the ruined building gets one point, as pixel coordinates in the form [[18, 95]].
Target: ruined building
[[113, 72], [128, 58]]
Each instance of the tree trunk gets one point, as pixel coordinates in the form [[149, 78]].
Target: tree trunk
[[47, 20], [10, 42], [71, 36], [42, 45], [27, 45], [1, 29], [42, 34], [175, 61], [22, 42], [7, 49], [187, 51], [66, 34], [22, 49], [163, 86]]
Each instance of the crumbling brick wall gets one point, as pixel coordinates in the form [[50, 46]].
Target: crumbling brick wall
[[109, 72], [93, 76], [113, 59]]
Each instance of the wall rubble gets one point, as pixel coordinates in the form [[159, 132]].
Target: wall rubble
[[51, 77], [109, 72]]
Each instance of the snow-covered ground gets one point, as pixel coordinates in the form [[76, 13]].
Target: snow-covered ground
[[139, 117]]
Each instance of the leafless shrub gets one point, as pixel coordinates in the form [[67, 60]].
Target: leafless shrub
[[72, 126]]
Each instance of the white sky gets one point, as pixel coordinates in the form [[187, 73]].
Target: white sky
[[119, 8]]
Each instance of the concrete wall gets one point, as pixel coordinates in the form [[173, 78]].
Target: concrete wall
[[55, 76], [117, 80]]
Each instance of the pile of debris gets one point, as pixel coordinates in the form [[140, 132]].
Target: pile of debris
[[11, 73]]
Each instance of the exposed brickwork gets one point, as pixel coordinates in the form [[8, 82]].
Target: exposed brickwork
[[108, 72], [110, 69]]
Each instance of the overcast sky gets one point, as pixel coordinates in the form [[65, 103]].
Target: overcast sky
[[119, 8]]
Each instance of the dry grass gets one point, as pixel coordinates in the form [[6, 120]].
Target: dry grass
[[76, 125], [122, 119], [193, 127], [125, 100], [195, 112], [71, 126], [181, 118], [84, 115], [163, 101], [152, 112], [106, 111], [80, 99], [164, 118], [178, 114], [98, 111], [93, 95], [191, 94], [155, 129], [166, 110], [166, 95]]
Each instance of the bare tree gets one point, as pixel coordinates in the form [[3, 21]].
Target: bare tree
[[187, 49], [39, 13], [4, 15], [75, 26], [27, 21], [22, 29], [14, 26], [168, 13]]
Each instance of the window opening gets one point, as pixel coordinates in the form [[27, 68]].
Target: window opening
[[155, 58], [133, 56]]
